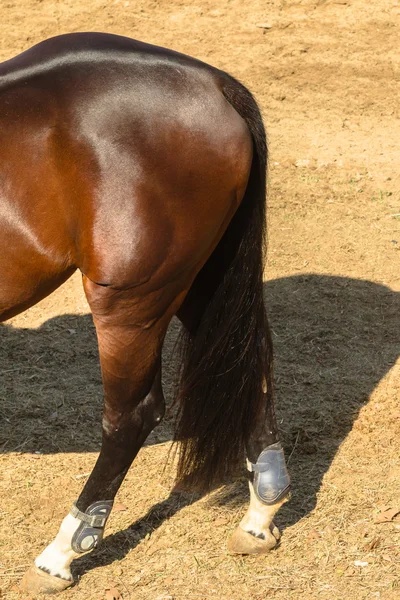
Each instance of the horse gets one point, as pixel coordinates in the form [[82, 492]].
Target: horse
[[145, 169]]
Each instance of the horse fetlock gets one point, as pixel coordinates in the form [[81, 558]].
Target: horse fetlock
[[51, 570], [258, 520], [257, 533], [90, 531], [271, 481], [79, 532]]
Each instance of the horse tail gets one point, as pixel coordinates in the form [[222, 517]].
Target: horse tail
[[227, 354]]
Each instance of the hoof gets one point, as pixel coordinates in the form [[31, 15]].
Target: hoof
[[36, 581], [242, 542]]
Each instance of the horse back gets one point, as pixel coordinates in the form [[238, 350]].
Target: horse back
[[120, 158]]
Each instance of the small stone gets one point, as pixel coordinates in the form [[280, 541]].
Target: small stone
[[360, 563], [302, 162]]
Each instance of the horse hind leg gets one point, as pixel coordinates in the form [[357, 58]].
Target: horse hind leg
[[130, 334], [269, 483], [269, 480]]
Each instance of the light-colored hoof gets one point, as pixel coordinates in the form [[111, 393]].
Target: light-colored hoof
[[36, 581], [242, 542]]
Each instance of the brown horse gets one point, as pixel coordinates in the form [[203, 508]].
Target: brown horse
[[145, 169]]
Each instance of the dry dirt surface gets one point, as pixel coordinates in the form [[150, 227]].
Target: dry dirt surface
[[326, 74]]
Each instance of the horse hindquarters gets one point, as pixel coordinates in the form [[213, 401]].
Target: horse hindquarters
[[229, 353]]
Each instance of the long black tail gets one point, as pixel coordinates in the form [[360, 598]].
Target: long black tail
[[227, 356]]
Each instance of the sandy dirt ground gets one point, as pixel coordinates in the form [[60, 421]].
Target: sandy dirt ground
[[326, 74]]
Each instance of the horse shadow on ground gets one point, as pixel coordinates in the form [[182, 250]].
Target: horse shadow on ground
[[334, 338]]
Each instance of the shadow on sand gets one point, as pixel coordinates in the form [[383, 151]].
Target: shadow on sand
[[335, 338]]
